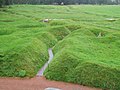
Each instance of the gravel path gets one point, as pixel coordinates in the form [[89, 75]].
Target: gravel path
[[40, 73]]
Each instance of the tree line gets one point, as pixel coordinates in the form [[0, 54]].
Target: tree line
[[58, 2]]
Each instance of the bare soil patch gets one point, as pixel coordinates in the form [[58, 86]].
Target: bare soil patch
[[38, 83]]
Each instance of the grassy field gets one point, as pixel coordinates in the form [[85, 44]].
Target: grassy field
[[85, 41]]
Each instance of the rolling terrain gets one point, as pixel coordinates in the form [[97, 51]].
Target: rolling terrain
[[85, 40]]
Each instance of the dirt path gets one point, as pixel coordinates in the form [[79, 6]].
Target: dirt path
[[37, 83]]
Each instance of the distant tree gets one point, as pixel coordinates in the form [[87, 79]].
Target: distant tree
[[117, 1], [66, 2], [1, 3], [7, 2]]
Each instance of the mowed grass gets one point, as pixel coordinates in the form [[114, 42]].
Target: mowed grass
[[85, 42]]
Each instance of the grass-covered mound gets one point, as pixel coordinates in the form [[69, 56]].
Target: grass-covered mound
[[87, 59], [24, 44], [85, 43], [25, 55]]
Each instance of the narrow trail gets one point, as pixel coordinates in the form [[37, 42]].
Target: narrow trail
[[41, 72], [40, 82]]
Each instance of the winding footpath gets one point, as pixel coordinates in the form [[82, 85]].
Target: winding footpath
[[40, 73], [40, 82]]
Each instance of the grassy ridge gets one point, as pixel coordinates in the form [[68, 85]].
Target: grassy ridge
[[28, 55], [87, 59], [85, 43], [24, 44]]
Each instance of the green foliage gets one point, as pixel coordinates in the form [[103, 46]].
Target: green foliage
[[81, 54], [1, 3], [86, 59], [59, 32], [24, 43], [22, 73], [58, 22], [7, 2], [73, 27]]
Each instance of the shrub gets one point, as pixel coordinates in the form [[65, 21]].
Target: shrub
[[22, 73]]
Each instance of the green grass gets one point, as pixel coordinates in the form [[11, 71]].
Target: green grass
[[86, 59], [24, 43], [80, 56]]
